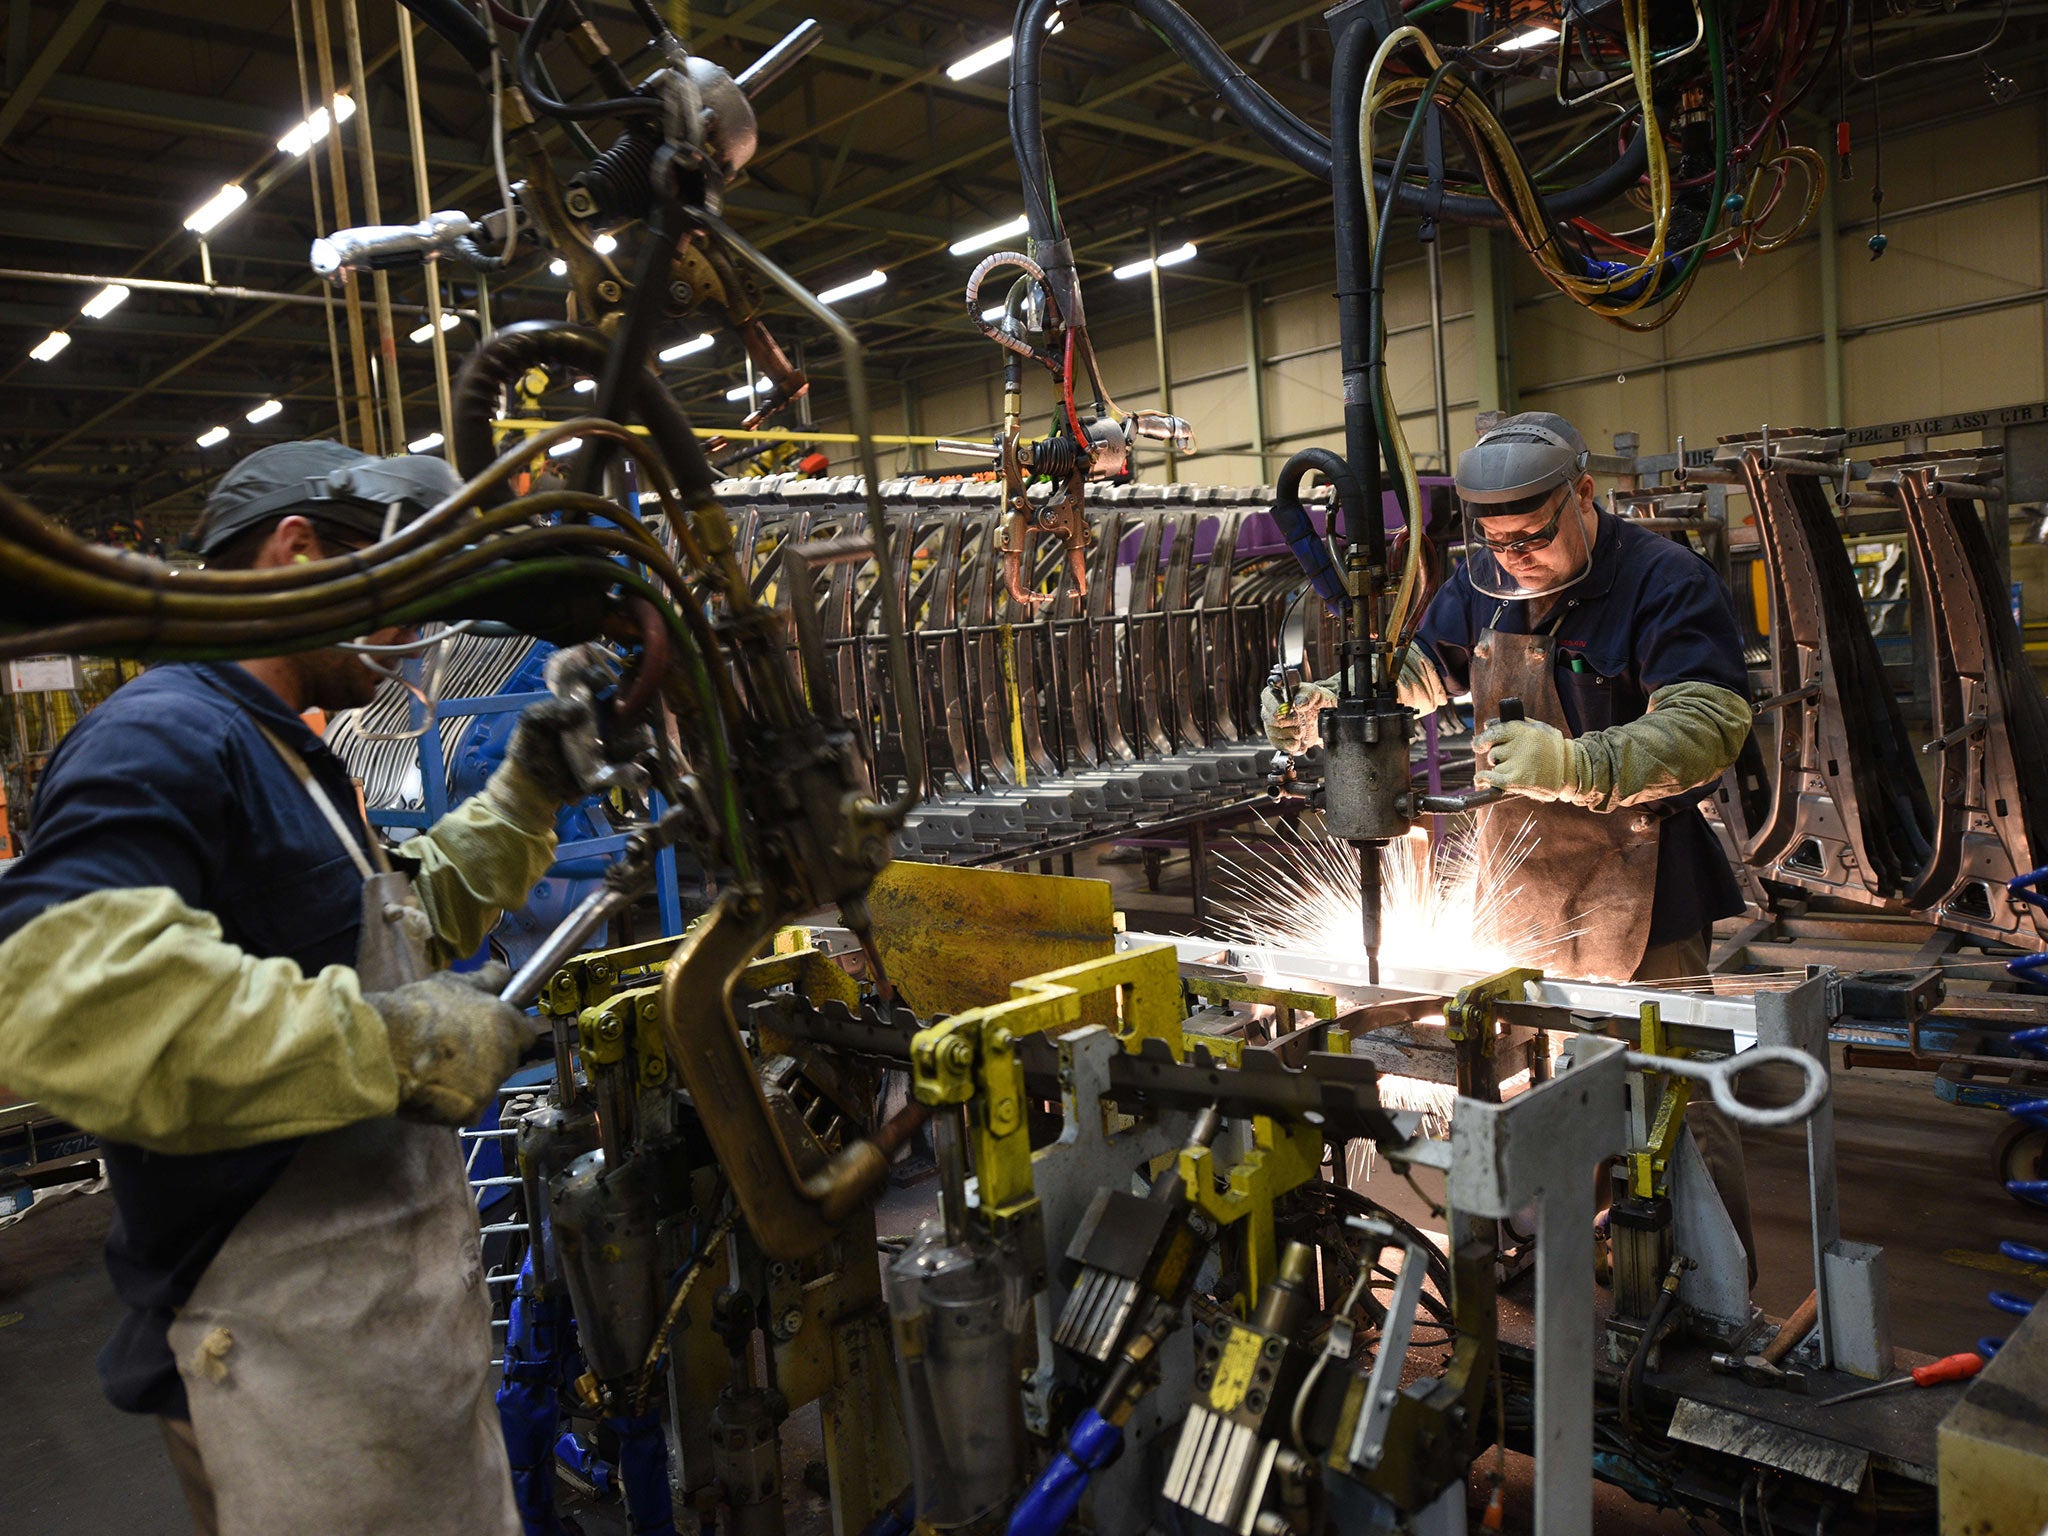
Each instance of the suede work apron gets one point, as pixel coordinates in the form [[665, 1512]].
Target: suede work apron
[[1589, 873], [336, 1352]]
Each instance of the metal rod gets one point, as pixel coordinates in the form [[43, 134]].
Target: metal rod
[[949, 1137], [416, 132], [203, 290], [1159, 346], [319, 221], [596, 910], [773, 64], [330, 145], [373, 211]]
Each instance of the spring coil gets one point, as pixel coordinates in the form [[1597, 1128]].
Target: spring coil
[[620, 182]]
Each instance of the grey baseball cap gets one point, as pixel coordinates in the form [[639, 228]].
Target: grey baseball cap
[[1519, 457], [327, 481]]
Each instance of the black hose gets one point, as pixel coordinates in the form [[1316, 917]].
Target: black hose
[[1237, 90], [452, 23], [1633, 1377], [1348, 192], [1376, 327], [527, 60], [1273, 122], [515, 348]]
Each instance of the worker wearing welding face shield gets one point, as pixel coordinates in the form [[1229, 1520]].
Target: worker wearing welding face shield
[[211, 963], [1623, 650]]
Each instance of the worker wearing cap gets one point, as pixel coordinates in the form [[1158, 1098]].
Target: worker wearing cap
[[1623, 649], [209, 964]]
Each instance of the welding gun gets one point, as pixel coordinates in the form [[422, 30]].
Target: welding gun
[[1472, 799]]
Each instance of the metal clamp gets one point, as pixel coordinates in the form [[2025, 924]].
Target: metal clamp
[[1719, 1076]]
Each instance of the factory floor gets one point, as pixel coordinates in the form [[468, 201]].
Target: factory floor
[[1915, 1176]]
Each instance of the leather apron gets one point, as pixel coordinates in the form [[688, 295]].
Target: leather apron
[[336, 1352], [1591, 874]]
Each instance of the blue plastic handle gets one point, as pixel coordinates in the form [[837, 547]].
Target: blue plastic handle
[[1051, 1501], [2007, 1301], [2027, 887], [1299, 529]]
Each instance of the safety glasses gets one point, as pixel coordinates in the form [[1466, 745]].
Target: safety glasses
[[1521, 544]]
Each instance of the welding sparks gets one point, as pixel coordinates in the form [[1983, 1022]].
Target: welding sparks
[[1446, 913], [1442, 910]]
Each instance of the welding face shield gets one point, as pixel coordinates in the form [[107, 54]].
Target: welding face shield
[[1526, 532]]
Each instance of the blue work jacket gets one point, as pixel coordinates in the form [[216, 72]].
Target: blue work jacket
[[1649, 612], [171, 783]]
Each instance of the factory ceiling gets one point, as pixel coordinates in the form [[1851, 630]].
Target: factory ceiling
[[119, 120]]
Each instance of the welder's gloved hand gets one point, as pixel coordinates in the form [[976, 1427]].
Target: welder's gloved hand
[[1525, 757], [1421, 685], [555, 742], [1292, 725], [1690, 736], [452, 1042]]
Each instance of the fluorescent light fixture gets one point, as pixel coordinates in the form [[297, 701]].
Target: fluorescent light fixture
[[989, 237], [1535, 37], [264, 412], [585, 386], [565, 447], [683, 349], [761, 387], [212, 437], [50, 346], [316, 127], [1172, 258], [106, 301], [604, 245], [449, 321], [867, 284], [216, 208], [975, 62], [425, 444], [559, 267], [993, 314], [994, 53]]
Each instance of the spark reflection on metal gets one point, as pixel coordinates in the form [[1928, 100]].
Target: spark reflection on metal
[[1438, 913]]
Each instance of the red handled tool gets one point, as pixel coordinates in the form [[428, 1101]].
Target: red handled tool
[[1949, 1368]]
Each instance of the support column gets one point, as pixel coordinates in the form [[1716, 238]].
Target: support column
[[1255, 380], [1830, 307], [352, 293], [1440, 386], [366, 166], [416, 132], [1492, 321], [913, 426], [319, 220], [1159, 345]]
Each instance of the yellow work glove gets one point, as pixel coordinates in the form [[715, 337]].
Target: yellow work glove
[[1421, 685], [1690, 735], [483, 857], [1525, 757], [1291, 724], [129, 1015], [452, 1042]]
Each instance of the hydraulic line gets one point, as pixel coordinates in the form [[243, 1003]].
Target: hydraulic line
[[1272, 121]]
